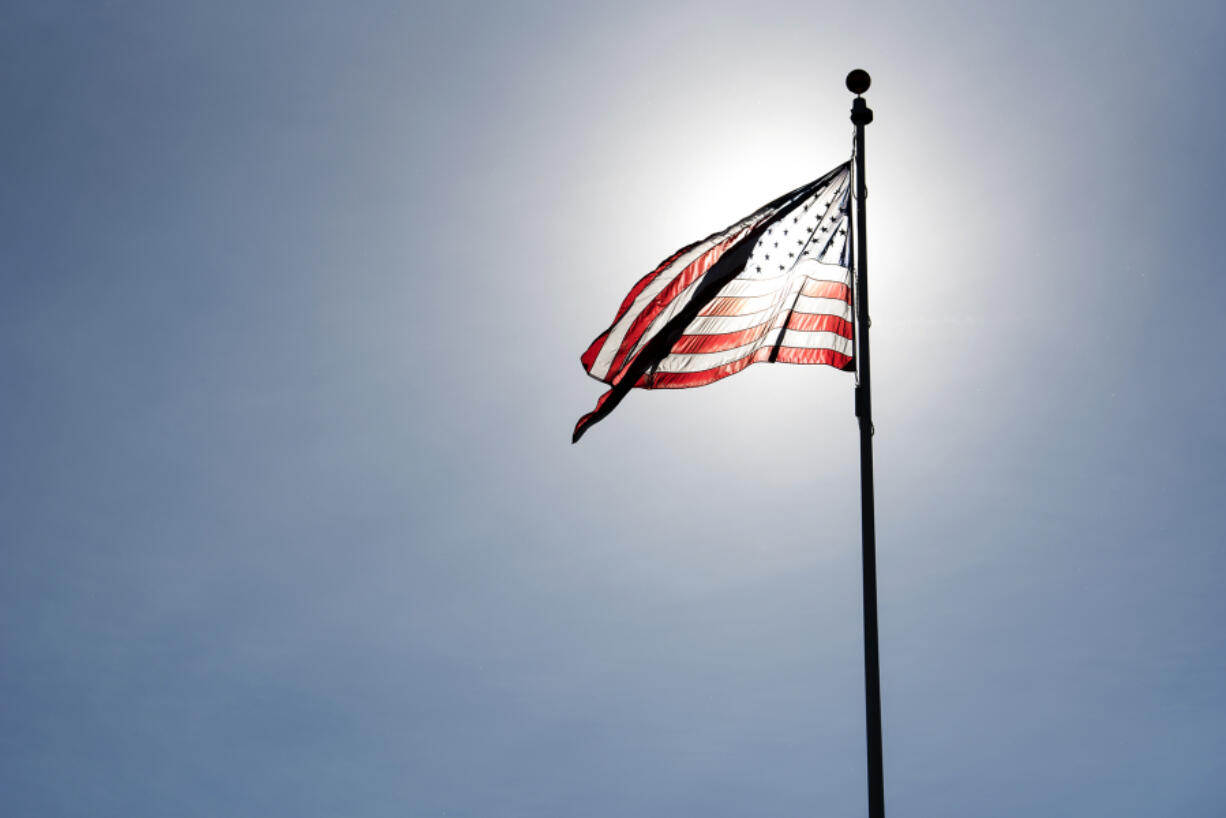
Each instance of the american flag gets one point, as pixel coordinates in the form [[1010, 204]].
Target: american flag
[[774, 286]]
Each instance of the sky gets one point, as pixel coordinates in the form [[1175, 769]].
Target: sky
[[292, 297]]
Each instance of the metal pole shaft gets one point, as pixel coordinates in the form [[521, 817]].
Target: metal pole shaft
[[862, 115]]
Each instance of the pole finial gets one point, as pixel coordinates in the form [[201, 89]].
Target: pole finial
[[858, 81]]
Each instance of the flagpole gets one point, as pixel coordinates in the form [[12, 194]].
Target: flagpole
[[858, 82]]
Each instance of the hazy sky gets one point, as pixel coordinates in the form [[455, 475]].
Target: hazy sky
[[292, 297]]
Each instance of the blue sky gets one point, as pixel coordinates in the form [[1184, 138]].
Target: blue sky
[[291, 303]]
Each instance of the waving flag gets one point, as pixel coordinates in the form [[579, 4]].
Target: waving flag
[[775, 286]]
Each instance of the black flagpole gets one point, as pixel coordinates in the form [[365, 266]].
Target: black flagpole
[[861, 115]]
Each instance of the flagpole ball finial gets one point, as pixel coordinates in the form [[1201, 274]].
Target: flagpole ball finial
[[858, 81]]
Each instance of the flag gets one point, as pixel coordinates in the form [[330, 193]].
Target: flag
[[774, 286]]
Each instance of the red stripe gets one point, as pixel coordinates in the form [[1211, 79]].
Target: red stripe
[[827, 289], [695, 270], [727, 305], [810, 322], [593, 351], [698, 344], [719, 342], [737, 304], [804, 355], [787, 355], [587, 419], [588, 358]]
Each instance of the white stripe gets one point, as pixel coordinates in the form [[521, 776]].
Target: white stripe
[[709, 360], [829, 272], [720, 324], [746, 287], [817, 340], [823, 306], [820, 271]]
